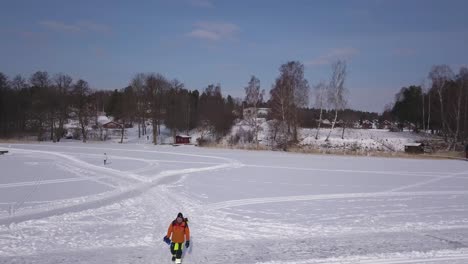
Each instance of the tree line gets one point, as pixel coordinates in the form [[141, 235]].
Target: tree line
[[42, 105], [441, 107]]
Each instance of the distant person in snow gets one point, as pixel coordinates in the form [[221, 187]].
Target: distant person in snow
[[105, 158], [466, 151], [178, 233]]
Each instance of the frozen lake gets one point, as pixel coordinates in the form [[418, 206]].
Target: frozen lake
[[60, 204]]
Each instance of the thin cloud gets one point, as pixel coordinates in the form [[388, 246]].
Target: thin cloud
[[59, 26], [204, 34], [201, 3], [333, 55], [80, 26], [95, 27], [214, 31]]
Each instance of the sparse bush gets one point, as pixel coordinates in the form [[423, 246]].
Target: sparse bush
[[233, 139], [202, 141], [245, 136]]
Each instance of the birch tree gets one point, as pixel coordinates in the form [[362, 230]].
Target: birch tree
[[289, 93], [462, 80], [253, 97], [320, 90], [337, 91], [440, 75]]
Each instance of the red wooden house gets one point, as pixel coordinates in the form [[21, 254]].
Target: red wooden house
[[182, 139], [112, 125]]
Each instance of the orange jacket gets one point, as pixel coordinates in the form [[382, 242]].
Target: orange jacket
[[178, 231]]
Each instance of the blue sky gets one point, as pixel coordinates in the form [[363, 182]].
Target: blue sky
[[387, 44]]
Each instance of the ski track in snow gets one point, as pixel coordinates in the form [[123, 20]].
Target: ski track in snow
[[449, 257], [143, 183], [403, 173], [22, 184], [244, 202], [449, 176], [392, 192]]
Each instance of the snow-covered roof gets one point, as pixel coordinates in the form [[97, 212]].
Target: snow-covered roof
[[103, 120], [183, 136], [413, 144]]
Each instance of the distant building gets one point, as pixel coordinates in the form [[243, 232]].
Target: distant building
[[102, 119], [339, 123], [262, 112], [385, 124], [112, 125], [414, 148], [325, 123], [366, 124], [356, 124], [182, 139]]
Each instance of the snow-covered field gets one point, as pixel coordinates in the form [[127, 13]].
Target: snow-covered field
[[359, 140], [60, 204]]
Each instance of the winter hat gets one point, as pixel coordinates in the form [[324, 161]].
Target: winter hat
[[180, 215]]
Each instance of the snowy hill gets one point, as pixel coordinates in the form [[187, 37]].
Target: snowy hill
[[354, 139]]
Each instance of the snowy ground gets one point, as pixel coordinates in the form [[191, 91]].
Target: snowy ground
[[360, 140], [243, 206]]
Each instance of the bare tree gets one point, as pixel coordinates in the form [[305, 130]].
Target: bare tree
[[440, 76], [177, 108], [81, 92], [348, 117], [321, 90], [423, 94], [138, 85], [429, 102], [336, 90], [40, 79], [20, 84], [4, 113], [216, 110], [63, 84], [278, 134], [462, 79], [289, 93], [253, 97], [41, 83], [127, 107], [155, 85]]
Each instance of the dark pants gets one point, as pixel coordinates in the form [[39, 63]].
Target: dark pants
[[176, 250]]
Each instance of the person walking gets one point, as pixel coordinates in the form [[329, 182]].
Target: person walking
[[178, 233]]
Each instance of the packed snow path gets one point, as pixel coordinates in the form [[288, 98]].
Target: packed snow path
[[60, 204]]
